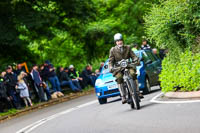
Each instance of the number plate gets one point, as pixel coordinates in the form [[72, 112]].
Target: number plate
[[110, 87]]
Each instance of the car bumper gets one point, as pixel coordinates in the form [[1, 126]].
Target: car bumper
[[141, 82], [104, 92]]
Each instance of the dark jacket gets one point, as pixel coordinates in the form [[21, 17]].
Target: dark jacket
[[36, 77], [3, 91], [64, 76], [18, 71], [86, 74], [10, 81], [73, 74], [47, 73]]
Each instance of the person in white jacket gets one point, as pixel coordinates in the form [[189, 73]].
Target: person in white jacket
[[24, 93]]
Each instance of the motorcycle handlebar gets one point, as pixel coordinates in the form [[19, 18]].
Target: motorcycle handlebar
[[133, 65]]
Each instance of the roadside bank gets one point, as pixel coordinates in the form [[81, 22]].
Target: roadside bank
[[52, 102]]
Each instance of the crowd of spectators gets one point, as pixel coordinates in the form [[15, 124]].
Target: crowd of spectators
[[18, 88]]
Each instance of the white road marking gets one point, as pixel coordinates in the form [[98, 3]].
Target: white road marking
[[36, 124], [153, 100]]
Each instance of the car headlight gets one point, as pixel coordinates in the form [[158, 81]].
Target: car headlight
[[138, 72], [99, 82]]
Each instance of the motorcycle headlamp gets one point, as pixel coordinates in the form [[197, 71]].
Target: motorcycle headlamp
[[124, 64]]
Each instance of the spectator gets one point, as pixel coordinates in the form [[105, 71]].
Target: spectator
[[94, 77], [50, 74], [66, 80], [19, 69], [163, 53], [97, 73], [38, 83], [24, 93], [5, 101], [59, 70], [145, 46], [44, 80], [2, 76], [155, 52], [101, 66], [74, 75], [11, 85], [135, 47], [88, 76]]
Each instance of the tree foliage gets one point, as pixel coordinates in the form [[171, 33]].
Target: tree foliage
[[67, 32]]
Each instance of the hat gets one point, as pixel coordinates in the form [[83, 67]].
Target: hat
[[71, 66], [47, 62], [8, 67]]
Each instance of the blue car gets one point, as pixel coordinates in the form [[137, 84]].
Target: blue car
[[147, 74]]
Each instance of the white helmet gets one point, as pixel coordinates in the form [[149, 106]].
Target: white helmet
[[117, 37], [71, 66]]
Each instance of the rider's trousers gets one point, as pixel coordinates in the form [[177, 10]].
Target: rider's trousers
[[119, 76], [119, 80]]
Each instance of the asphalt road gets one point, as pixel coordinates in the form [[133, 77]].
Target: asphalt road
[[113, 117]]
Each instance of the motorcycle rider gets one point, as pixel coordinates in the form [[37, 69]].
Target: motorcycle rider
[[117, 53]]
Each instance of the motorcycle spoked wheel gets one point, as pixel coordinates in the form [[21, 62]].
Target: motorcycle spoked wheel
[[130, 101], [134, 98]]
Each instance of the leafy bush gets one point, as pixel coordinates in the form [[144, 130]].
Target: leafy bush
[[174, 24], [182, 73]]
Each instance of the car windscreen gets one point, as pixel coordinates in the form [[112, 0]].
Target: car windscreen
[[137, 54], [151, 56]]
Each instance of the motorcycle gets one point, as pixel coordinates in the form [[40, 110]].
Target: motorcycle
[[129, 84]]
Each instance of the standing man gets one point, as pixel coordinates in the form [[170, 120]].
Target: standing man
[[19, 69], [38, 83], [117, 53], [145, 46], [11, 85]]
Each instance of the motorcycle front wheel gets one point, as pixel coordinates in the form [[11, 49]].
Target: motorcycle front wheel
[[134, 98]]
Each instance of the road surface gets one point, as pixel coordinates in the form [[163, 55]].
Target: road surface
[[85, 115]]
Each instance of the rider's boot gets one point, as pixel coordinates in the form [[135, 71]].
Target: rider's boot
[[123, 93], [137, 89], [140, 94]]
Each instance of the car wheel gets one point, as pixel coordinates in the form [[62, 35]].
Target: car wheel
[[147, 88], [102, 100]]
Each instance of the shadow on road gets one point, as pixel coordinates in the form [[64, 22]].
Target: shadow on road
[[147, 105], [153, 91], [116, 100]]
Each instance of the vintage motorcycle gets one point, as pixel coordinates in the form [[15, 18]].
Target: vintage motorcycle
[[129, 84]]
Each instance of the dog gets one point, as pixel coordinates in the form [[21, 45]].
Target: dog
[[60, 94], [56, 95]]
